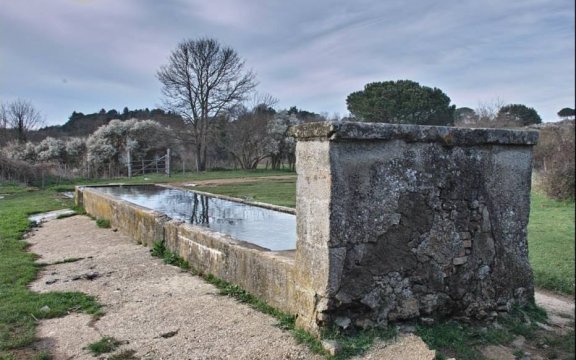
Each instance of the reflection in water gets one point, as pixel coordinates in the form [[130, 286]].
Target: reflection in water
[[200, 215], [267, 228]]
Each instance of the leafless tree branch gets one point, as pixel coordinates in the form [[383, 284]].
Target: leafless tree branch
[[20, 115]]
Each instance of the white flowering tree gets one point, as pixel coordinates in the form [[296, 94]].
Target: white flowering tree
[[283, 146], [75, 151], [110, 144], [20, 151], [51, 150]]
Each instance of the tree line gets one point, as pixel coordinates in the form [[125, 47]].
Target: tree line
[[212, 117], [243, 138]]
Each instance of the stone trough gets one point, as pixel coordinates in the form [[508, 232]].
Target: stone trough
[[394, 223]]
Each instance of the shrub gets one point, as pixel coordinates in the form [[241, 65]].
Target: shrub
[[558, 181], [51, 150], [16, 170], [554, 158]]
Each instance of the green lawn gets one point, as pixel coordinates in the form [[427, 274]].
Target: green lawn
[[64, 185], [272, 191], [551, 243], [19, 307]]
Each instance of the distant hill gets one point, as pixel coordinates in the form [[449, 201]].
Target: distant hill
[[83, 125]]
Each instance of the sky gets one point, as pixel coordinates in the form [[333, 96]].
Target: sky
[[85, 55]]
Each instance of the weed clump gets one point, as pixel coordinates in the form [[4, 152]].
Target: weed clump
[[455, 339], [105, 345], [159, 250], [79, 210], [103, 223]]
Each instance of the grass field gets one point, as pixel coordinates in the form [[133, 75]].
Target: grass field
[[278, 192], [20, 308], [551, 243], [66, 185]]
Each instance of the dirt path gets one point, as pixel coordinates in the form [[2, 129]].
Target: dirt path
[[560, 309], [231, 181], [155, 309]]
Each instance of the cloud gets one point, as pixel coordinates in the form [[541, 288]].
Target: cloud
[[308, 54]]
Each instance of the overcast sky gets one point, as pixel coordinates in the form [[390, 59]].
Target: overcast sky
[[84, 55]]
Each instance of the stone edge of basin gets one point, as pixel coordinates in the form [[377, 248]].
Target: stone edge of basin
[[350, 131]]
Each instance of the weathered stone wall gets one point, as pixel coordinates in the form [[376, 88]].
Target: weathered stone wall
[[401, 222], [266, 274], [145, 226]]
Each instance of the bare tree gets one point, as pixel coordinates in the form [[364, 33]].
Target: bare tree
[[200, 82], [487, 111], [20, 115], [247, 138], [3, 121], [3, 125], [263, 100]]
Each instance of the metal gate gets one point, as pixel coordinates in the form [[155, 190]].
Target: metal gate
[[157, 165]]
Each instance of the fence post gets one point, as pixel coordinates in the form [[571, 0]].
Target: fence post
[[167, 162]]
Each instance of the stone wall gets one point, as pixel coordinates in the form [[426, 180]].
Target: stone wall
[[399, 222], [144, 225]]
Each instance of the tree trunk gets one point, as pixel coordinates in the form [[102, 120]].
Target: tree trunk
[[200, 157], [204, 155]]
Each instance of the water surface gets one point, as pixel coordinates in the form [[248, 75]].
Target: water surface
[[264, 227]]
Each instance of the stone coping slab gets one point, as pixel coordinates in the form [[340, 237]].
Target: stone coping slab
[[357, 131]]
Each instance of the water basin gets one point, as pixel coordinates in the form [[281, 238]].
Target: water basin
[[268, 228]]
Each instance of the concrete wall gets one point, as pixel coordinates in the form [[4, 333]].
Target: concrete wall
[[144, 225], [399, 222]]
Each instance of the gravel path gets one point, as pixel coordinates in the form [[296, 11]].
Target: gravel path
[[156, 309]]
